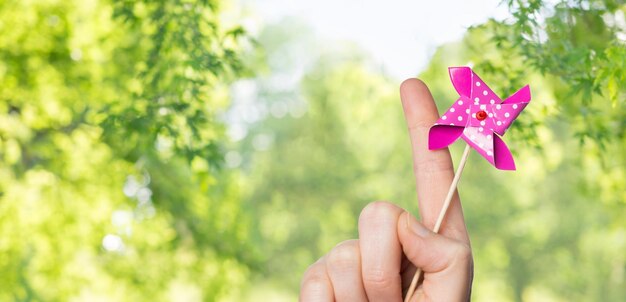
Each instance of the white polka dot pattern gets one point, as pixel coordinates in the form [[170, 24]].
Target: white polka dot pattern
[[495, 115]]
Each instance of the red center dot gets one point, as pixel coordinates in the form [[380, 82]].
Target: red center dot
[[481, 115]]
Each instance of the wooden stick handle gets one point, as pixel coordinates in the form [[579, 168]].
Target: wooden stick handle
[[442, 215]]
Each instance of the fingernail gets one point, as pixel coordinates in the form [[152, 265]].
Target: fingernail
[[414, 226]]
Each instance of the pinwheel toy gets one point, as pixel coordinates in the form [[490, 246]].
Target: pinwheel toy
[[481, 118]]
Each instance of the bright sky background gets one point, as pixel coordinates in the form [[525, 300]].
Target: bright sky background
[[401, 35]]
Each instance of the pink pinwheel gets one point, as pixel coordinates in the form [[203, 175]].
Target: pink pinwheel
[[480, 117]]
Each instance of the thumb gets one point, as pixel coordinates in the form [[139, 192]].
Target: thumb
[[447, 263]]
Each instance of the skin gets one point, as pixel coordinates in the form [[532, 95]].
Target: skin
[[380, 264]]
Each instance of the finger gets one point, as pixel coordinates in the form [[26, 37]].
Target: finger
[[447, 263], [381, 254], [433, 168], [316, 285], [343, 265]]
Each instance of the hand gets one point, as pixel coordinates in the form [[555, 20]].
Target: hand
[[380, 264]]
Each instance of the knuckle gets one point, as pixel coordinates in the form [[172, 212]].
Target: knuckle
[[434, 164], [448, 254], [314, 286], [344, 256], [376, 210], [314, 279], [463, 254], [420, 127], [313, 272], [378, 279]]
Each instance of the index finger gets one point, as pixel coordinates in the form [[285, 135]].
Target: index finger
[[433, 168]]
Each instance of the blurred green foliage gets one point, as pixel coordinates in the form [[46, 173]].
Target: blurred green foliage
[[109, 139], [131, 169]]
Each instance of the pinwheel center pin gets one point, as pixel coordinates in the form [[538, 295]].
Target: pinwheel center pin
[[481, 115]]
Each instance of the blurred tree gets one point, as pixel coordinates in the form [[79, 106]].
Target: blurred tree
[[581, 45], [109, 139]]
